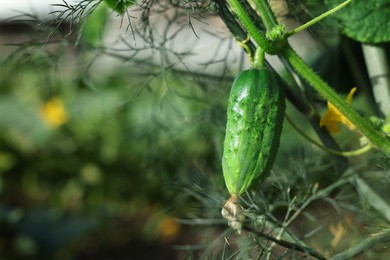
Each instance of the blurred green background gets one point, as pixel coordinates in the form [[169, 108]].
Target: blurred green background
[[88, 171]]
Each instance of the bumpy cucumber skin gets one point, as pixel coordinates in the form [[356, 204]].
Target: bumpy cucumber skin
[[254, 124]]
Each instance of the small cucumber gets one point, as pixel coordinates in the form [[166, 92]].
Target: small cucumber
[[254, 124]]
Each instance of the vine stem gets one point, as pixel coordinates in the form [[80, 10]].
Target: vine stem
[[318, 18], [287, 244], [246, 21], [267, 16], [311, 140], [375, 137]]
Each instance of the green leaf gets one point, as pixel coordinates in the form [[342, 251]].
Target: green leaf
[[119, 6], [364, 21]]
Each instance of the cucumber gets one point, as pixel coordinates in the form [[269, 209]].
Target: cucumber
[[254, 124]]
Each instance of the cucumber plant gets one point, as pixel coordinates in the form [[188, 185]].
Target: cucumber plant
[[256, 108], [256, 104], [274, 42]]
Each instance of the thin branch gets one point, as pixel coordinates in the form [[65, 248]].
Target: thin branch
[[286, 244]]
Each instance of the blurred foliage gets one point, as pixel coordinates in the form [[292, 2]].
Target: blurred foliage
[[79, 159]]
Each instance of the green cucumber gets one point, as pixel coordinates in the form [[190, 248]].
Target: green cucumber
[[254, 124]]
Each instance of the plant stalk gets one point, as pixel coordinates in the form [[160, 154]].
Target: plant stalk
[[267, 16], [246, 21], [259, 59], [378, 139], [318, 18]]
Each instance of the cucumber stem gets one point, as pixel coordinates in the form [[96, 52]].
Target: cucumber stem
[[259, 59]]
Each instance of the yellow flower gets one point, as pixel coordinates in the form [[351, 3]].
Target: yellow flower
[[53, 112], [169, 228], [333, 118]]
